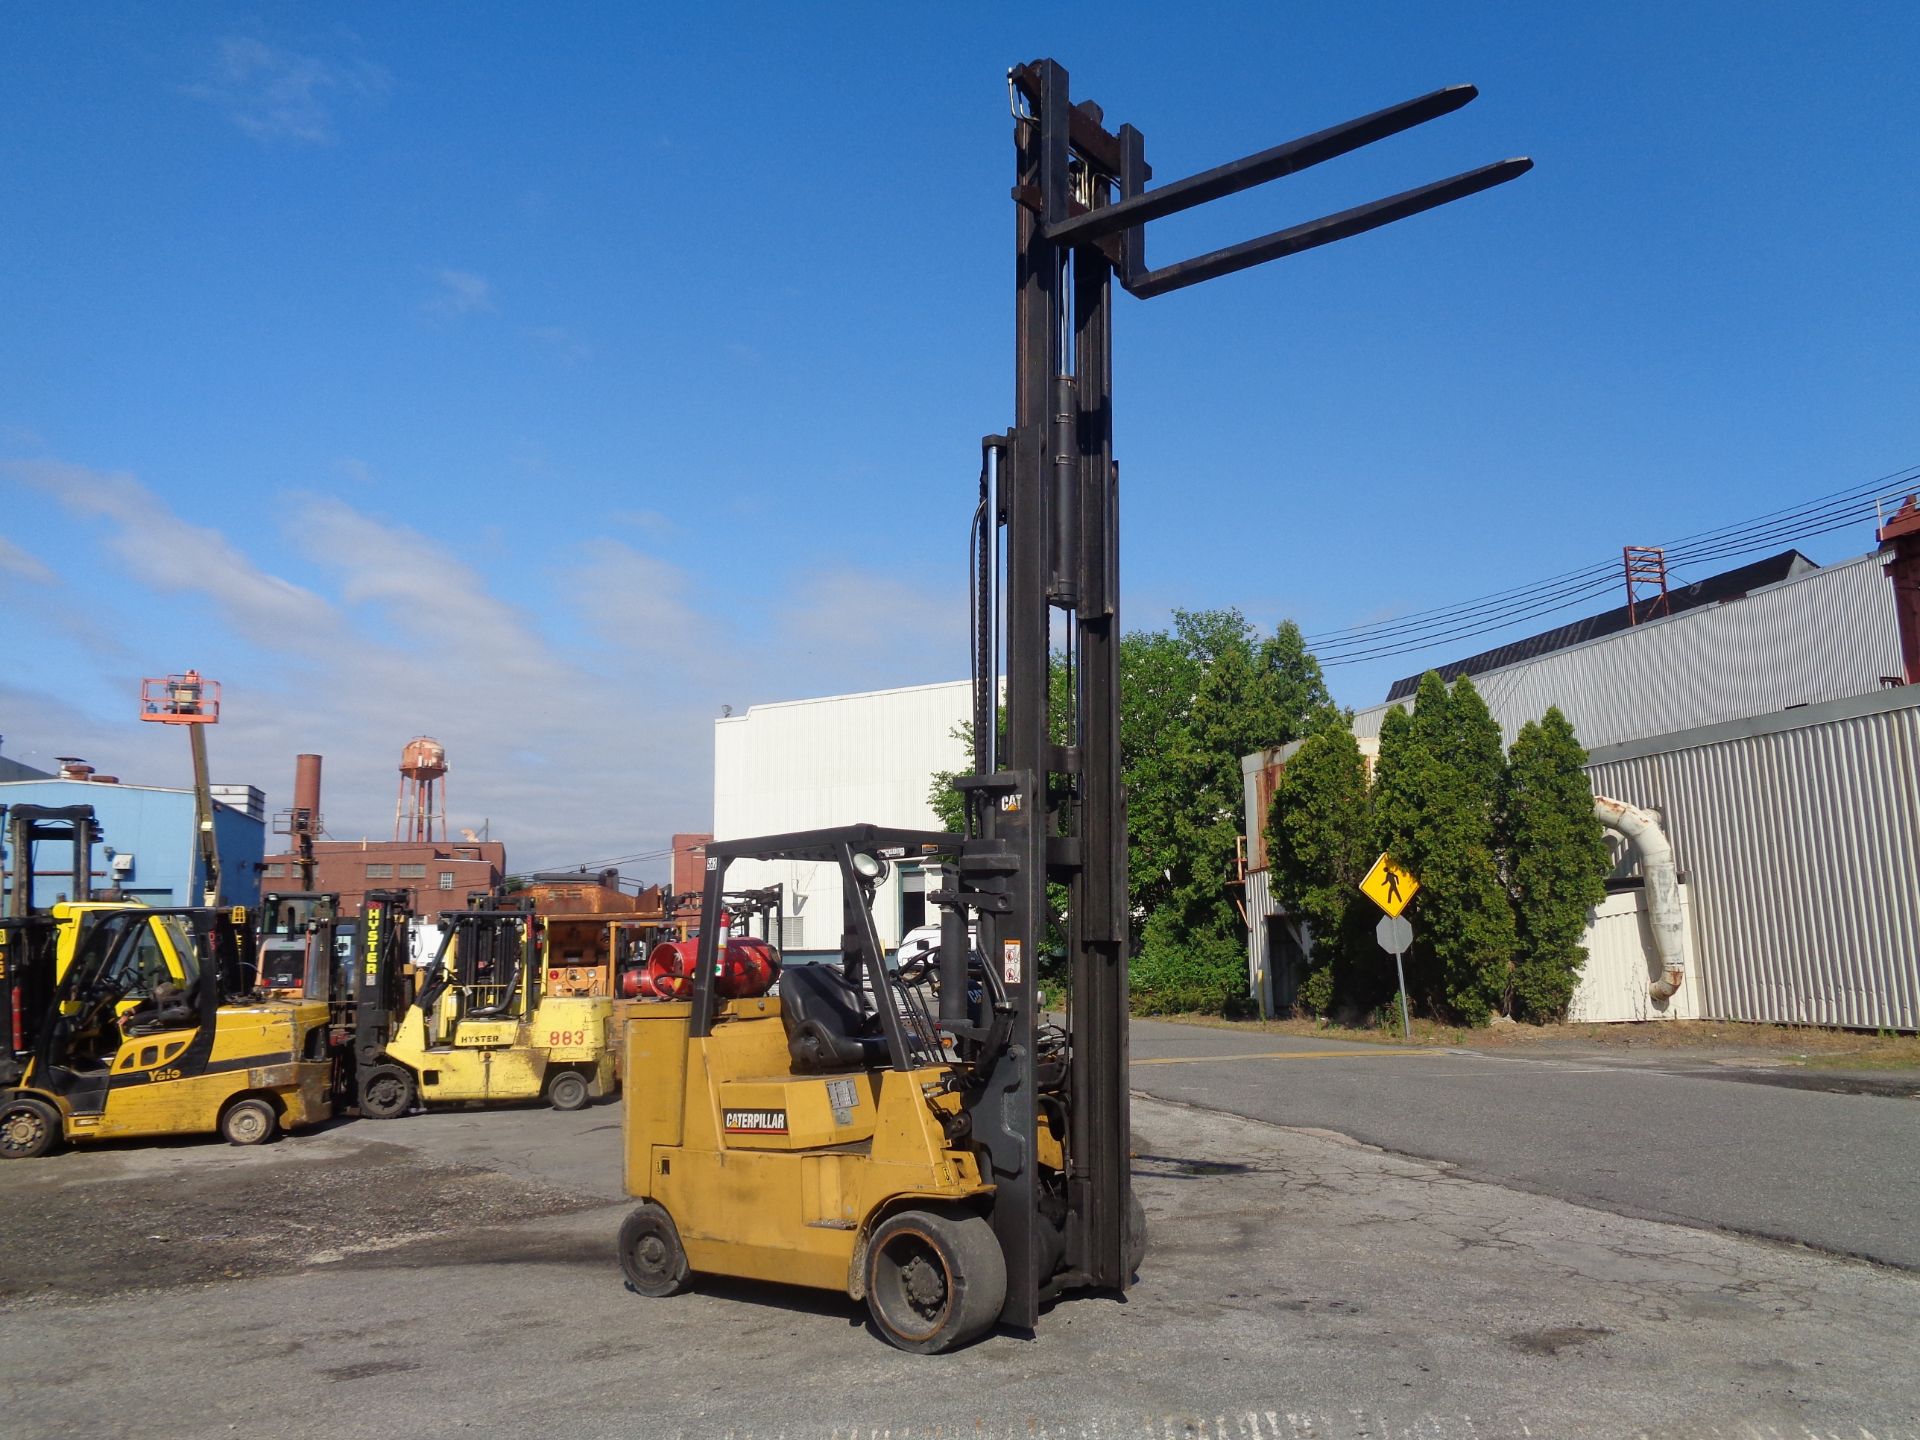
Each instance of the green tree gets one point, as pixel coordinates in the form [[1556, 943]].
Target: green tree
[[1436, 811], [1319, 845], [1193, 700], [1557, 862]]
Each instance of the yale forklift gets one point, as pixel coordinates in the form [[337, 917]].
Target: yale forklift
[[918, 1134], [476, 1023], [125, 1021]]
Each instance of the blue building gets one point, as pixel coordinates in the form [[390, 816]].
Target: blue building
[[147, 844]]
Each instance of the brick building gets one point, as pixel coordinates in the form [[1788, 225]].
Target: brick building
[[437, 874]]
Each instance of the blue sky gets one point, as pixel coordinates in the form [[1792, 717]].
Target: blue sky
[[543, 378]]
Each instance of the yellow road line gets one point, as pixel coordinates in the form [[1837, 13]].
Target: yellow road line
[[1284, 1055]]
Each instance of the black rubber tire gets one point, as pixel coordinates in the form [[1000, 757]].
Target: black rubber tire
[[651, 1256], [1136, 1234], [567, 1090], [29, 1128], [934, 1281], [251, 1121], [386, 1092]]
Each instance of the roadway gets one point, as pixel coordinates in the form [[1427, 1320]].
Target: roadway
[[1690, 1140]]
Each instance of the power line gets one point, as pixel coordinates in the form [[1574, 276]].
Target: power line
[[1444, 625]]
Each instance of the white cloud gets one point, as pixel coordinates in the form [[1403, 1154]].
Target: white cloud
[[171, 555], [18, 563], [273, 94], [848, 628], [578, 734], [461, 293]]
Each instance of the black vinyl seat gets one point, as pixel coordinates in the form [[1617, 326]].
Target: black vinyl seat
[[827, 1026]]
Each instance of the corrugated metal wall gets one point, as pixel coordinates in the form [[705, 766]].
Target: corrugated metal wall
[[1820, 636], [1622, 964], [1799, 837]]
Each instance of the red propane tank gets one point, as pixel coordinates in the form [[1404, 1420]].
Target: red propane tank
[[748, 967]]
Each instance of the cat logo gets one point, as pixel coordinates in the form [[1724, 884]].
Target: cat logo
[[756, 1122]]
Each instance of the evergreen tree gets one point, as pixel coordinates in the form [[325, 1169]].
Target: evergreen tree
[[1558, 862], [1436, 807], [1319, 845]]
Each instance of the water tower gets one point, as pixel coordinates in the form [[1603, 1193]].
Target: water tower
[[421, 811]]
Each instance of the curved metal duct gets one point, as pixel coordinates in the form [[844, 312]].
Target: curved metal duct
[[1642, 830]]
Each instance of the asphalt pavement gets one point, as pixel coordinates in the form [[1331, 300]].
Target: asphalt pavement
[[1295, 1286], [1687, 1140], [454, 1273]]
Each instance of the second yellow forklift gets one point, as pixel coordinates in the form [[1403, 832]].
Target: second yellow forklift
[[475, 1023]]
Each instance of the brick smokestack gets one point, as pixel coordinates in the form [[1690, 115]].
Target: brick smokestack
[[1902, 534], [306, 785]]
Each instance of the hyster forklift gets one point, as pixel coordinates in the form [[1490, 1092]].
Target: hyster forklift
[[125, 1021], [917, 1134], [476, 1023]]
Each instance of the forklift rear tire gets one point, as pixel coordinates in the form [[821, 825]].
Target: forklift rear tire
[[29, 1128], [249, 1122], [386, 1092], [651, 1256], [567, 1090], [934, 1281]]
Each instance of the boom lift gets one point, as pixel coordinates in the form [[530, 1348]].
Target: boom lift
[[195, 703], [920, 1136], [481, 1024]]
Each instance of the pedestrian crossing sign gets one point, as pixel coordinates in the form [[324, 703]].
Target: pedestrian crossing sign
[[1389, 886]]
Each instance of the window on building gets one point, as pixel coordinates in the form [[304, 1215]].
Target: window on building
[[379, 872], [462, 853], [413, 872], [276, 871], [446, 879]]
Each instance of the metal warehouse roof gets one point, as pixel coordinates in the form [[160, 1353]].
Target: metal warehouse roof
[[1728, 585], [1817, 635]]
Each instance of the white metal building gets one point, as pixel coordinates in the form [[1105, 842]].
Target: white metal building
[[839, 760], [1762, 730]]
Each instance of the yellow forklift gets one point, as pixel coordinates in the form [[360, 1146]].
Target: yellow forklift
[[919, 1133], [124, 1021], [476, 1023]]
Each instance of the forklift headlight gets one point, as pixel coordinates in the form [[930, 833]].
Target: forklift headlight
[[870, 868]]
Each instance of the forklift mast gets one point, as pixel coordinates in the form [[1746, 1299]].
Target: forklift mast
[[380, 952], [1045, 800], [27, 826]]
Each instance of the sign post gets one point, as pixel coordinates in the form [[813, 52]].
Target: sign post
[[1395, 934], [1391, 888]]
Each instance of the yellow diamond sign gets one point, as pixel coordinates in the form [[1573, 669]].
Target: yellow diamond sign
[[1388, 886]]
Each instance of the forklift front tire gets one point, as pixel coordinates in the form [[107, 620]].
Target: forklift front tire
[[252, 1121], [651, 1256], [934, 1281], [29, 1128], [567, 1090], [386, 1092]]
